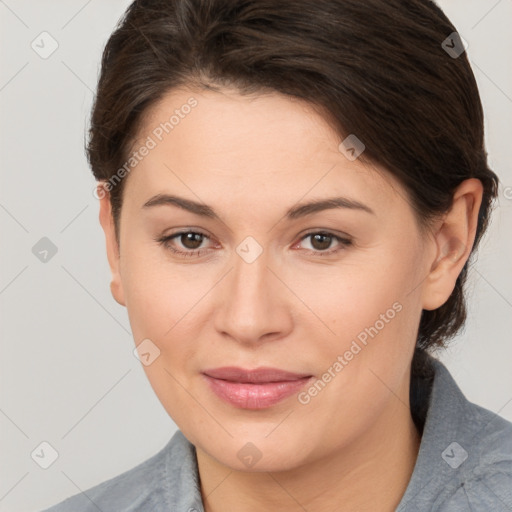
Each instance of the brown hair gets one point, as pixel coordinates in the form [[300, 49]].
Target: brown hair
[[374, 68]]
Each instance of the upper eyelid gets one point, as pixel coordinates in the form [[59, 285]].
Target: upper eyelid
[[313, 231]]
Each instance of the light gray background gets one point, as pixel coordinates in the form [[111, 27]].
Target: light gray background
[[68, 374]]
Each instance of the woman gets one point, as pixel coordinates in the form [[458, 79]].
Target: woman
[[291, 193]]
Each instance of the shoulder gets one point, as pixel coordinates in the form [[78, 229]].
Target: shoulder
[[465, 457], [483, 481], [142, 488]]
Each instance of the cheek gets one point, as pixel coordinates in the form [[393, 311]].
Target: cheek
[[375, 324], [160, 305], [352, 298], [158, 296], [372, 316]]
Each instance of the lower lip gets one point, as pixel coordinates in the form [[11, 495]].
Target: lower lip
[[255, 396]]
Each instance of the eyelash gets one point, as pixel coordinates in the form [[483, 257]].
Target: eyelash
[[164, 241]]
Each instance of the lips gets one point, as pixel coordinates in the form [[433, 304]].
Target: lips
[[256, 376], [254, 389]]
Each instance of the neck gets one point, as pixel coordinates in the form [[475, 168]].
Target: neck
[[371, 473]]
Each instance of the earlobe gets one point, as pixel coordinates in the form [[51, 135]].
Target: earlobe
[[113, 253], [454, 237]]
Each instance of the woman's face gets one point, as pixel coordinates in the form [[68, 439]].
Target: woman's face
[[265, 291]]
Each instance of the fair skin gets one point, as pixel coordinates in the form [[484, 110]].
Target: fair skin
[[251, 159]]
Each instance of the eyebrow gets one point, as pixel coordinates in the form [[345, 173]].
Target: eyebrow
[[292, 213]]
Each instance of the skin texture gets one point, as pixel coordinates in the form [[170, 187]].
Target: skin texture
[[252, 158]]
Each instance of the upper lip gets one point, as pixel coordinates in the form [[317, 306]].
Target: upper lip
[[262, 374]]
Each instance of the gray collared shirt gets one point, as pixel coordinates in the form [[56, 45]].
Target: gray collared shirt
[[464, 464]]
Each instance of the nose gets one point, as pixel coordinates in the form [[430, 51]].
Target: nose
[[253, 305]]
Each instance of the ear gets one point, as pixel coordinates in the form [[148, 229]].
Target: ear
[[113, 252], [453, 237]]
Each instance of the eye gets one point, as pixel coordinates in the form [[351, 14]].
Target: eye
[[322, 240], [191, 243], [190, 240]]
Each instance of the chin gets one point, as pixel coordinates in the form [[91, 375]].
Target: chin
[[257, 453]]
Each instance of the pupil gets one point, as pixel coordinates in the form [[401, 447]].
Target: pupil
[[324, 245], [189, 238]]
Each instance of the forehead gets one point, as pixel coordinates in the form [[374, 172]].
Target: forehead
[[268, 145], [224, 122]]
